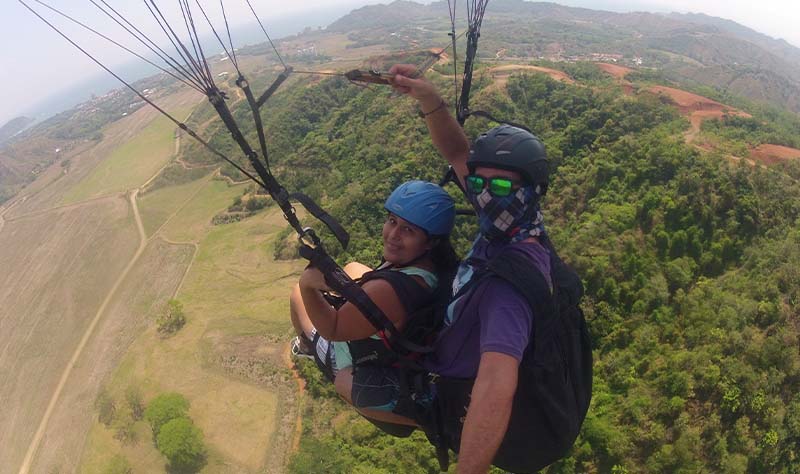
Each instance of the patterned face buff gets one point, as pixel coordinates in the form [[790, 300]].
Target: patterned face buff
[[499, 216]]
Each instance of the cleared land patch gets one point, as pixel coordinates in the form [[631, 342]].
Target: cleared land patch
[[194, 218], [225, 360], [51, 186], [773, 154], [696, 107], [144, 292], [502, 72], [615, 70], [57, 269]]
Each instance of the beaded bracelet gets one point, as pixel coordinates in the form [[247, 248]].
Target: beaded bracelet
[[441, 105]]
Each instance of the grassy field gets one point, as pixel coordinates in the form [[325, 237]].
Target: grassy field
[[228, 359], [192, 222], [141, 297], [57, 268], [132, 163], [157, 206]]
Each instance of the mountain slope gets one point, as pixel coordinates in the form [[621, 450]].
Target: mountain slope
[[13, 126], [710, 50]]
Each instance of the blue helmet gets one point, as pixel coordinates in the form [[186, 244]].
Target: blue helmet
[[424, 204]]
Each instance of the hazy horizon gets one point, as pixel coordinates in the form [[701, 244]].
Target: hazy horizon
[[79, 78]]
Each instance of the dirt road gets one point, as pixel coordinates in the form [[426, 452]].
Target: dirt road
[[37, 438], [65, 375]]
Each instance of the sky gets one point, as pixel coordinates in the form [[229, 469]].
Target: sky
[[39, 64]]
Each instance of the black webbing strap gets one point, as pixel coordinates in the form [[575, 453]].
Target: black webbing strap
[[277, 191], [325, 365], [277, 83], [533, 286], [315, 210], [439, 441], [462, 112], [315, 253]]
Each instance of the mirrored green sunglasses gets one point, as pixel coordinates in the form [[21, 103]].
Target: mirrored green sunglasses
[[500, 187]]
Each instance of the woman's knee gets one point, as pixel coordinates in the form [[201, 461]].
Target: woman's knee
[[355, 269]]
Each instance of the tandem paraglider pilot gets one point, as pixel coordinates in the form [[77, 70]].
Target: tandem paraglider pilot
[[510, 375]]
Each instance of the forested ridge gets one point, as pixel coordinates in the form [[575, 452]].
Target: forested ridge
[[691, 264]]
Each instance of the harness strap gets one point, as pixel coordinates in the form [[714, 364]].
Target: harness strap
[[533, 286], [325, 364], [271, 90], [315, 210]]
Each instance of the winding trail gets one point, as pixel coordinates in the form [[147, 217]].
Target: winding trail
[[301, 389], [37, 438], [143, 241], [2, 221]]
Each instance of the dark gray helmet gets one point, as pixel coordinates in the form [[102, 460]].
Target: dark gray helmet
[[511, 148]]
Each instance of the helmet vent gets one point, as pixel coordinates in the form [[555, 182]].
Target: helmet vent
[[503, 152]]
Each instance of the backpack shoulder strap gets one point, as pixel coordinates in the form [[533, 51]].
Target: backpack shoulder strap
[[531, 284], [411, 293]]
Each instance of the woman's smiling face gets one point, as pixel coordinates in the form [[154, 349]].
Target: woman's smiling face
[[403, 242]]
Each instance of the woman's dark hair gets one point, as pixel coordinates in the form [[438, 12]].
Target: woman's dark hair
[[444, 256]]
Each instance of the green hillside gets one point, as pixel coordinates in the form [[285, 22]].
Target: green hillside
[[689, 260], [687, 244], [709, 50]]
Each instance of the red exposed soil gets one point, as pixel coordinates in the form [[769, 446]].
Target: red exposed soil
[[696, 107], [773, 154], [615, 70], [619, 73], [688, 102], [553, 73], [627, 88]]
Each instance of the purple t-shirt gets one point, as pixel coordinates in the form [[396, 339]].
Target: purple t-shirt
[[494, 317]]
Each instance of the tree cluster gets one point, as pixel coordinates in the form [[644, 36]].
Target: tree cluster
[[174, 433], [171, 319]]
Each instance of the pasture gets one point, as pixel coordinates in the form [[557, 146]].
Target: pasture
[[228, 359], [132, 163], [57, 268]]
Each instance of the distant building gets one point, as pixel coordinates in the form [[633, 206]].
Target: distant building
[[307, 51], [606, 57]]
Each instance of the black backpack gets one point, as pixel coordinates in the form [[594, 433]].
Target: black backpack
[[555, 374]]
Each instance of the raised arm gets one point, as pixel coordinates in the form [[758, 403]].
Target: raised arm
[[447, 135]]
